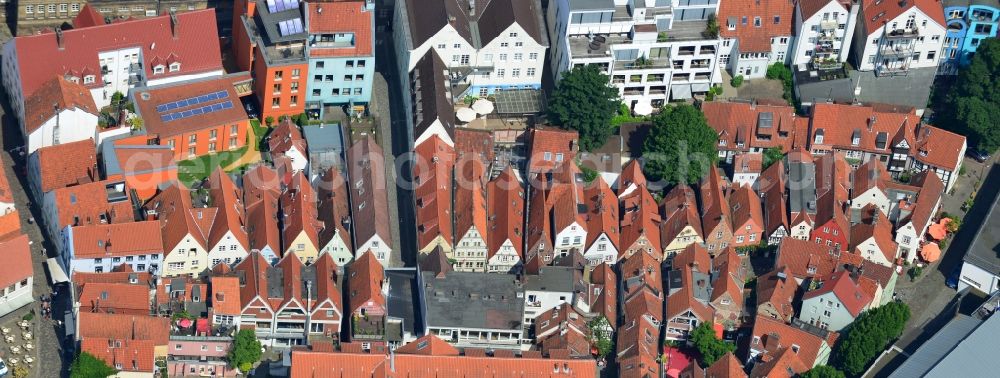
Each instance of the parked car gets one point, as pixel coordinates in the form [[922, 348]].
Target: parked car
[[3, 368], [952, 279], [979, 155]]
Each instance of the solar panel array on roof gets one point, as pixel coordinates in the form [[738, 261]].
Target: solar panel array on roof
[[281, 5], [196, 111], [192, 101], [289, 27]]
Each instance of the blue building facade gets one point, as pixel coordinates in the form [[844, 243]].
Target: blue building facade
[[967, 23], [341, 55]]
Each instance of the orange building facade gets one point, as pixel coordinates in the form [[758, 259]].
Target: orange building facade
[[281, 89]]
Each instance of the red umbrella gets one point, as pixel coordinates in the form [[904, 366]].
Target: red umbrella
[[184, 323], [930, 252]]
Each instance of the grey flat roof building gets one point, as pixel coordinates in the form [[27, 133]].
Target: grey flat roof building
[[983, 249], [551, 278], [404, 304], [962, 348], [473, 301], [326, 146]]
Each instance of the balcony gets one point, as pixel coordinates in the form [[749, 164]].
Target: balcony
[[828, 25], [895, 51], [903, 33], [642, 63], [368, 327]]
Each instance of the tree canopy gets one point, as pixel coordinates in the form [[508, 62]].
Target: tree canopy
[[245, 350], [976, 96], [772, 155], [822, 371], [88, 366], [583, 101], [681, 147], [709, 347], [868, 336]]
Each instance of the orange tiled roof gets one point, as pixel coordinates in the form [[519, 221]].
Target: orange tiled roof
[[775, 20], [340, 17], [334, 208], [260, 183], [10, 225], [470, 196], [285, 136], [123, 355], [695, 256], [117, 239], [121, 297], [640, 217], [225, 298], [67, 164], [538, 228], [125, 327], [778, 291], [881, 231], [765, 329], [731, 277], [847, 291], [746, 208], [630, 177], [432, 177], [428, 345], [56, 94], [938, 147], [230, 219], [784, 364], [16, 261], [506, 212], [742, 126], [148, 99], [714, 202], [262, 224], [641, 270], [602, 212], [177, 216], [876, 13], [365, 277], [679, 210], [804, 258], [298, 208], [550, 142], [772, 185], [683, 300], [89, 203], [727, 366]]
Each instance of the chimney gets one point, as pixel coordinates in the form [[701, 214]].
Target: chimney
[[871, 122], [174, 24], [59, 38], [472, 7]]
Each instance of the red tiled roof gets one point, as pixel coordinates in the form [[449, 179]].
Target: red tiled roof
[[125, 327], [602, 212], [538, 228], [638, 348], [683, 300], [428, 345], [847, 291], [121, 274], [298, 208], [149, 98], [767, 330], [870, 174], [938, 147], [365, 279], [334, 208], [470, 194], [641, 270], [562, 327], [877, 13], [67, 164], [341, 17], [88, 16], [228, 198], [308, 364], [771, 185], [88, 203], [695, 256], [432, 175], [806, 258], [746, 208], [506, 212], [10, 225], [55, 95], [743, 123], [552, 141], [369, 201], [748, 163], [714, 202], [640, 217], [177, 217], [473, 145], [16, 261], [730, 278], [259, 183], [881, 231], [123, 355], [679, 210], [631, 176], [726, 367], [225, 298], [784, 364], [931, 189], [285, 136], [196, 47], [121, 297], [753, 38], [778, 291], [254, 282], [6, 195], [117, 239]]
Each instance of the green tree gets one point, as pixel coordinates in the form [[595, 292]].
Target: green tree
[[976, 96], [772, 155], [868, 336], [681, 147], [245, 350], [88, 366], [709, 347], [268, 120], [822, 371], [583, 101], [600, 336]]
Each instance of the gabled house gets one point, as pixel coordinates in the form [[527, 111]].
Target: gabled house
[[688, 302], [747, 168], [640, 225], [825, 30], [806, 259], [290, 303], [366, 281], [727, 289], [227, 239], [893, 37], [601, 295], [727, 366], [630, 179], [783, 362], [835, 302], [681, 224], [550, 147], [262, 228], [562, 328], [569, 223], [801, 189], [286, 140], [92, 203], [470, 217], [300, 225], [101, 248], [60, 111], [334, 214], [505, 220], [873, 241], [17, 276], [810, 344], [775, 293], [603, 234], [716, 219], [749, 128], [184, 230], [832, 225], [756, 35], [771, 187], [914, 215], [870, 181], [539, 243], [62, 165], [748, 219], [432, 192], [369, 201], [433, 112], [262, 182]]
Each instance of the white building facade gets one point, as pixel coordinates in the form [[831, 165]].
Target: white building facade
[[892, 42], [653, 50], [825, 31]]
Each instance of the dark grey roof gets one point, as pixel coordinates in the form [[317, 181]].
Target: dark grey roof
[[552, 279], [963, 347], [402, 300], [427, 17], [501, 14], [983, 249], [433, 102], [473, 300], [579, 5], [268, 23], [801, 187], [324, 138]]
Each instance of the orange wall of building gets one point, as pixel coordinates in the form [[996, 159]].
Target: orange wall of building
[[242, 47], [182, 145], [265, 80], [146, 184]]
